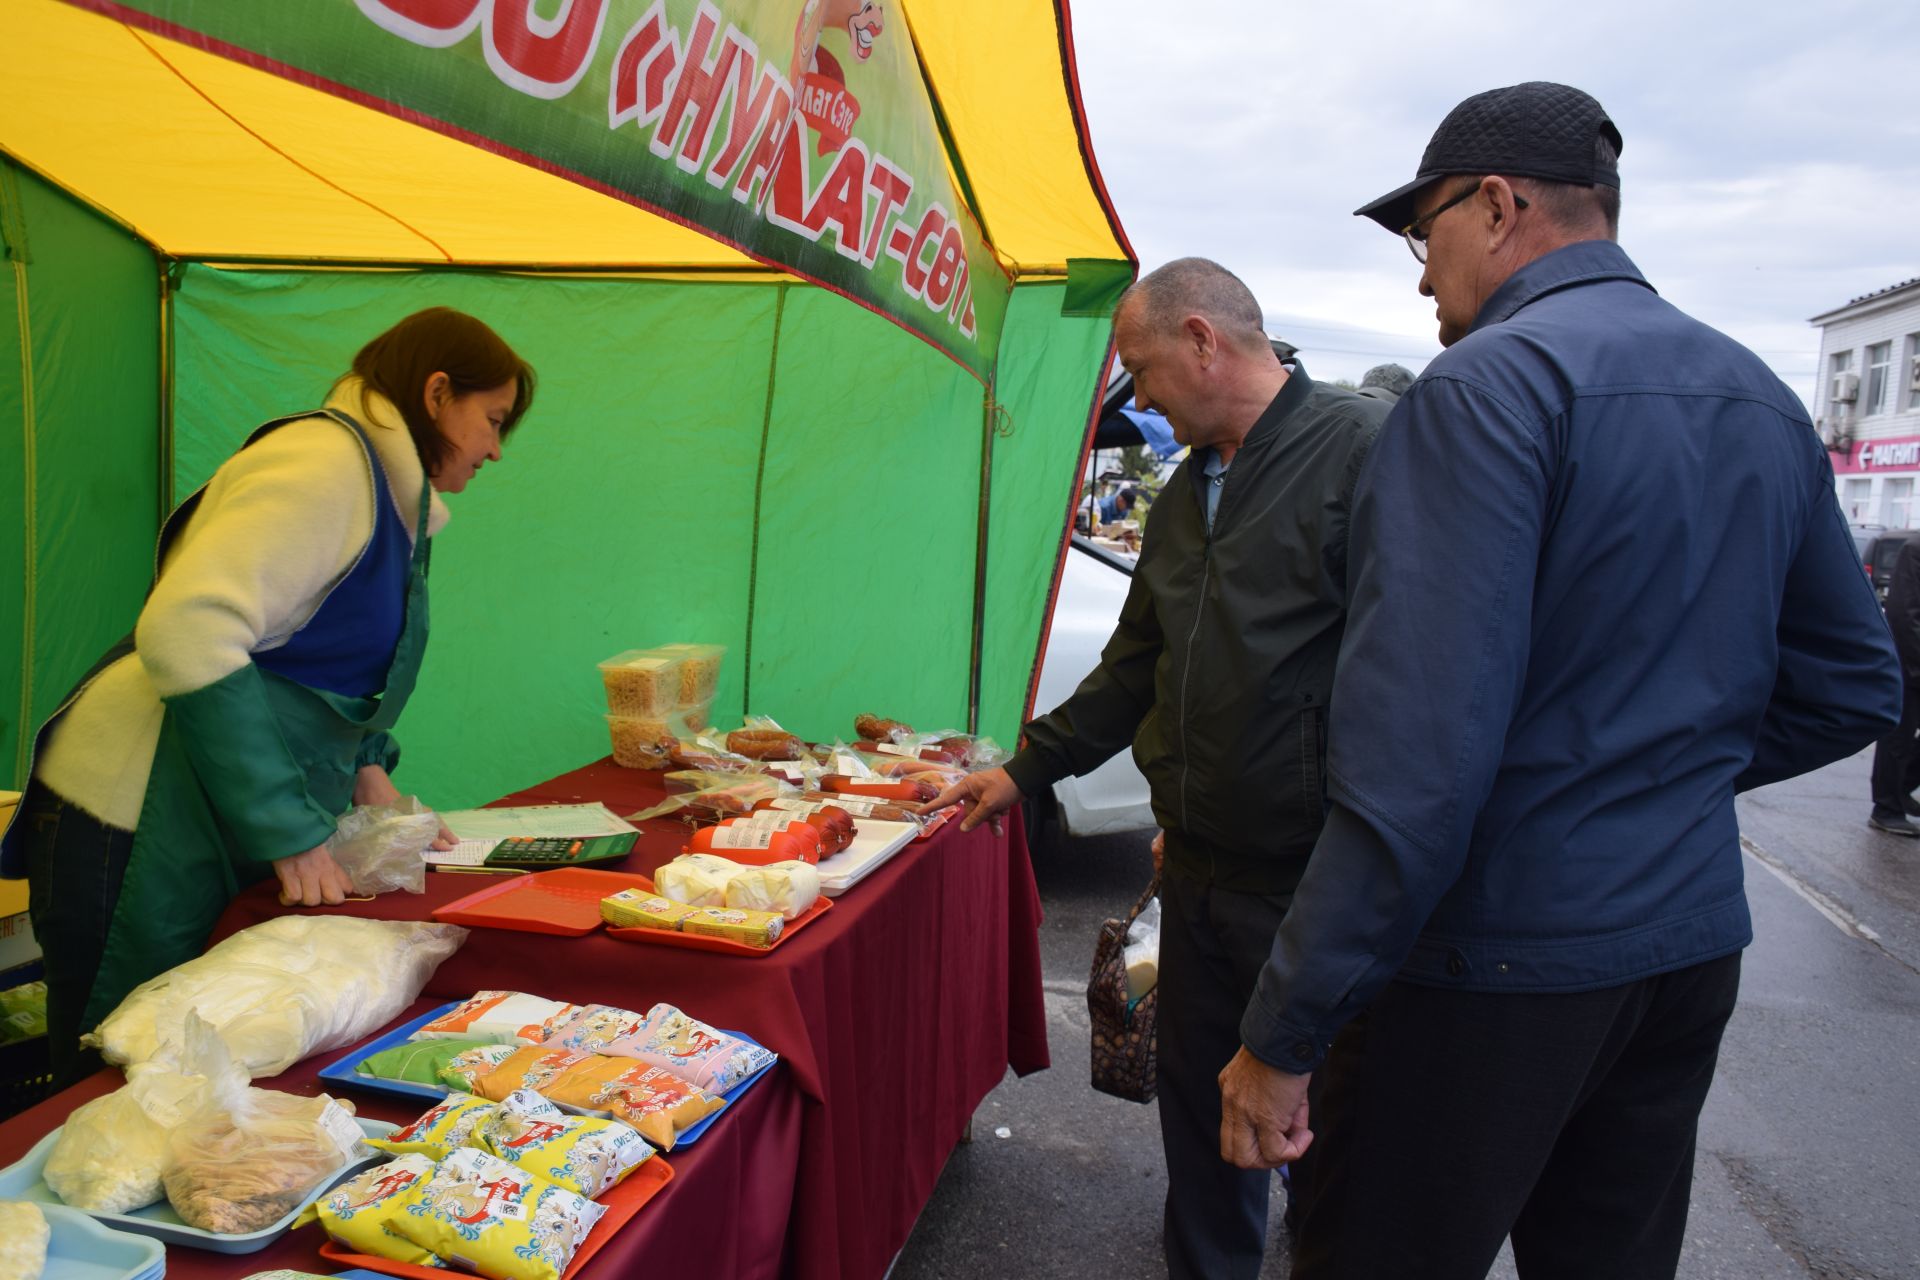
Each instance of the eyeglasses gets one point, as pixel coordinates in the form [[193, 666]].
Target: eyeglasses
[[1416, 232]]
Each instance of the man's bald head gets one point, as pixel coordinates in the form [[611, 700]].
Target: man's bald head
[[1160, 302]]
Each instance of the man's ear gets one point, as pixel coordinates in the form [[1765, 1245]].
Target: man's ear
[[1494, 202], [1202, 338]]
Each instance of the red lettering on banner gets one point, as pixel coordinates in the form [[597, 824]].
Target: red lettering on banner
[[941, 279], [788, 185], [543, 57], [913, 272], [697, 90], [765, 154], [893, 187], [841, 199], [966, 314], [960, 286], [746, 116], [646, 59], [433, 23]]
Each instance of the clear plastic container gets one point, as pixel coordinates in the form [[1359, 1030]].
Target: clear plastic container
[[642, 742], [644, 682], [701, 674]]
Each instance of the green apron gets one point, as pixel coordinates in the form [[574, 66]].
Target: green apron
[[188, 860]]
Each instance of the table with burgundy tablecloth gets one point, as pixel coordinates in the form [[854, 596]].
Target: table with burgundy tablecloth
[[894, 1014]]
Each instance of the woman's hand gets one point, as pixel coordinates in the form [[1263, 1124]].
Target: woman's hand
[[372, 786], [311, 878]]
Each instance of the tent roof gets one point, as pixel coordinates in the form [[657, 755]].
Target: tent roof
[[207, 158]]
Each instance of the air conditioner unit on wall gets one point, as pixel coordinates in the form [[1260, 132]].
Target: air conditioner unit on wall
[[1913, 373], [1846, 388], [1834, 434]]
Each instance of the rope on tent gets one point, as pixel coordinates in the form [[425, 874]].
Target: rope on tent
[[759, 483], [245, 128]]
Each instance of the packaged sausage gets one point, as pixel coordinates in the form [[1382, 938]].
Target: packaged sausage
[[359, 1213], [499, 1017], [667, 1038], [637, 909], [440, 1130], [858, 806], [898, 790], [879, 729], [483, 1215], [759, 839], [786, 887], [765, 744], [580, 1153]]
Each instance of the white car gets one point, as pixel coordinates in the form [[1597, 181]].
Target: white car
[[1093, 586]]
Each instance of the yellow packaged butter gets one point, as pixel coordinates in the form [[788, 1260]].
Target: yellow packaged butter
[[637, 909], [756, 928]]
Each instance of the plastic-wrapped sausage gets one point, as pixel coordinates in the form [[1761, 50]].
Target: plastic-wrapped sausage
[[879, 728], [901, 790], [765, 744]]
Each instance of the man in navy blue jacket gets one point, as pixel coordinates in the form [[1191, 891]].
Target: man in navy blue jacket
[[1599, 584]]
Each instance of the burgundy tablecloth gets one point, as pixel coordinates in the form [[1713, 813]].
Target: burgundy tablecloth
[[894, 1015]]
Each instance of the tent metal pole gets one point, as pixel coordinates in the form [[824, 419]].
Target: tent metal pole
[[989, 426], [169, 281], [759, 493]]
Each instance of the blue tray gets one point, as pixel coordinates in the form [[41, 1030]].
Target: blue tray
[[342, 1073], [25, 1180], [83, 1249]]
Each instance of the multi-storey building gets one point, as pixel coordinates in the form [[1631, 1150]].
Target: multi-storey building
[[1867, 403]]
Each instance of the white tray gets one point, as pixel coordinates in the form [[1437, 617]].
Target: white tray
[[26, 1181], [873, 843], [83, 1249]]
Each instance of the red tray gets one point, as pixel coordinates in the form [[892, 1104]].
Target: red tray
[[625, 1200], [565, 901], [725, 946]]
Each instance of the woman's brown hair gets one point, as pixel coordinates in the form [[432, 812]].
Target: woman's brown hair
[[398, 363]]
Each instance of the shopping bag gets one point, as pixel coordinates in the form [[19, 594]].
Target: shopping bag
[[1124, 1044]]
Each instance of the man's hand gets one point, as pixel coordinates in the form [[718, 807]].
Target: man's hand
[[1263, 1114], [311, 878], [987, 795]]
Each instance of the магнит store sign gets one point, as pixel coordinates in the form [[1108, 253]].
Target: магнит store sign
[[1899, 454]]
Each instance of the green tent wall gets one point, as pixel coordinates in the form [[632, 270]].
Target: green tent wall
[[754, 462]]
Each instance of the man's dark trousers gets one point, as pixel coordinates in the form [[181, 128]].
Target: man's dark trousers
[[1896, 759], [1452, 1119], [1212, 944]]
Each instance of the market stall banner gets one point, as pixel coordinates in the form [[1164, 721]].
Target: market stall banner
[[803, 132]]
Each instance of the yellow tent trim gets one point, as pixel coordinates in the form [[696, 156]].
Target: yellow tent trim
[[204, 157]]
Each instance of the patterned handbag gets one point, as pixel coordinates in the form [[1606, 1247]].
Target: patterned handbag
[[1125, 1053]]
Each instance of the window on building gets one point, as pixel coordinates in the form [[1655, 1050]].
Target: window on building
[[1913, 371], [1873, 394], [1896, 504], [1855, 498], [1839, 362]]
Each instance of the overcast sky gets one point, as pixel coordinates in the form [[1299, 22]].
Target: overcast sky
[[1771, 169]]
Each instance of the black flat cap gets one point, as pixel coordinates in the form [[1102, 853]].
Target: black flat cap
[[1532, 130]]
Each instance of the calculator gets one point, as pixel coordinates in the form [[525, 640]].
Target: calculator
[[544, 853]]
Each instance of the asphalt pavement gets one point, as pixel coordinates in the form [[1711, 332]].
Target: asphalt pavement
[[1809, 1142]]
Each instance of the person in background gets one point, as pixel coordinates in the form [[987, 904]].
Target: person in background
[[1217, 675], [1896, 757], [1386, 382], [1520, 931], [1117, 506], [281, 638]]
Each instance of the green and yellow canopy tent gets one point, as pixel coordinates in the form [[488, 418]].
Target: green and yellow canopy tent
[[817, 291]]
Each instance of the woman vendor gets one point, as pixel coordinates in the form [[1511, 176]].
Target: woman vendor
[[250, 706]]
